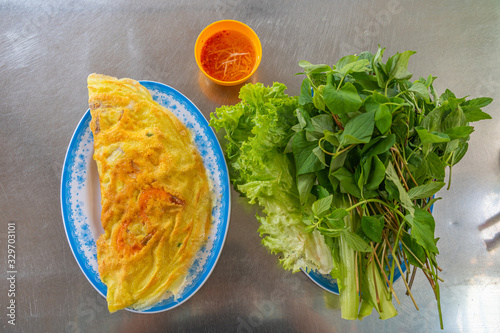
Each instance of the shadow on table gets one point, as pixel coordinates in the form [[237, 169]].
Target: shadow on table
[[492, 243], [222, 95]]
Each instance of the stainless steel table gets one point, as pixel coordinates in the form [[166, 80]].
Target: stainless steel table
[[47, 49]]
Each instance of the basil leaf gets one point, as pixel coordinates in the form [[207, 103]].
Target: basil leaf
[[343, 100], [379, 68], [304, 119], [372, 227], [335, 164], [434, 119], [305, 183], [318, 99], [480, 102], [359, 177], [344, 61], [347, 182], [422, 229], [370, 104], [312, 69], [450, 148], [459, 153], [459, 132], [319, 191], [454, 119], [447, 95], [403, 195], [322, 123], [366, 166], [391, 190], [383, 118], [349, 66], [421, 90], [425, 191], [428, 82], [338, 214], [400, 128], [358, 129], [338, 161], [381, 98], [427, 137], [376, 175], [366, 80], [397, 66], [305, 92], [305, 159], [436, 168], [322, 206], [356, 242], [417, 254], [365, 55], [320, 154], [378, 145], [332, 137], [474, 114]]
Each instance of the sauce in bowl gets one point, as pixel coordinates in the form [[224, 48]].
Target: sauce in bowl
[[228, 56], [228, 52]]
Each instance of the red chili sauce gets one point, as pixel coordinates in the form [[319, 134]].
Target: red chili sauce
[[228, 55]]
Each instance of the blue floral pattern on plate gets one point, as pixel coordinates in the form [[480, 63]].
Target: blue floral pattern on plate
[[81, 202]]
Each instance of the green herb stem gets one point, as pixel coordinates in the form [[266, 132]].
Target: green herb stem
[[395, 260], [383, 203], [338, 152], [347, 281]]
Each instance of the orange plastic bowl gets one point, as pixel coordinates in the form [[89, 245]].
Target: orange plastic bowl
[[231, 25]]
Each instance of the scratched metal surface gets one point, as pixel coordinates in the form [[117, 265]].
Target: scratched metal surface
[[47, 49]]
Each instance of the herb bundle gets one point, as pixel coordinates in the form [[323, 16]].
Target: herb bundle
[[347, 172]]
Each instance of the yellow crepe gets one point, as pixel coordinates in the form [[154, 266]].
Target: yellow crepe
[[156, 202]]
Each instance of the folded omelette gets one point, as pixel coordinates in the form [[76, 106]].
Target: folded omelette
[[155, 196]]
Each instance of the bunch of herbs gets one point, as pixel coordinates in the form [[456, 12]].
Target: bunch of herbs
[[348, 171]]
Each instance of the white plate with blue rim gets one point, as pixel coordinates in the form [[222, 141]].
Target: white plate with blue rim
[[81, 200]]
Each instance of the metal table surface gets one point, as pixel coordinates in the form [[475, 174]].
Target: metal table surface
[[47, 50]]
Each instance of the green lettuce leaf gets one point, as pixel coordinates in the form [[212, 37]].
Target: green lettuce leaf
[[257, 131]]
